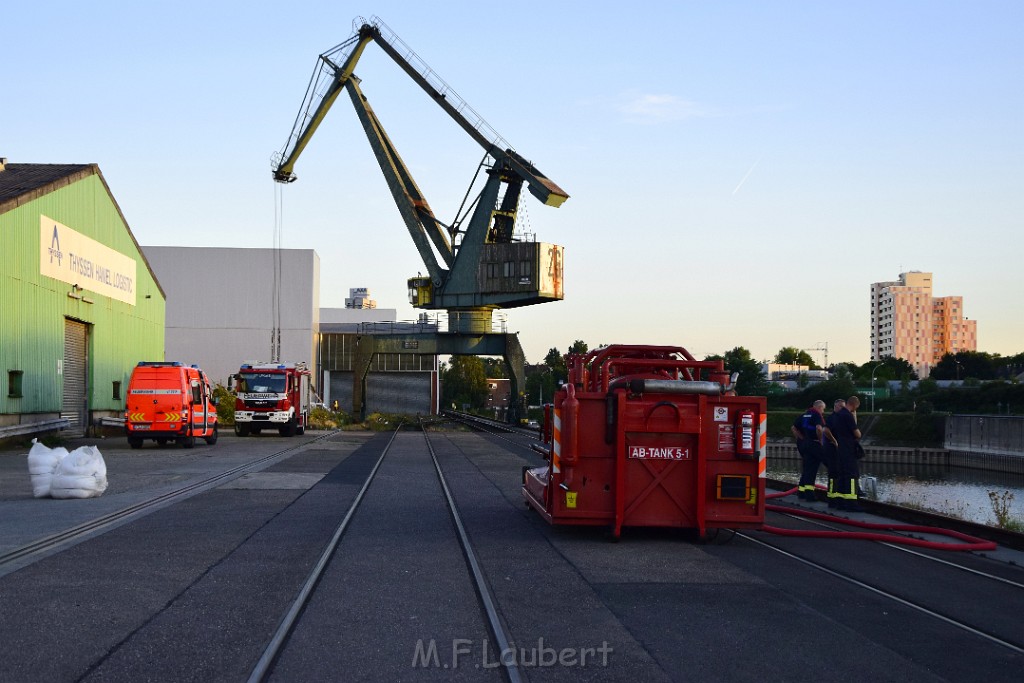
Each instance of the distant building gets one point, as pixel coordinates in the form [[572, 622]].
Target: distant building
[[908, 322], [359, 297], [792, 377], [498, 393]]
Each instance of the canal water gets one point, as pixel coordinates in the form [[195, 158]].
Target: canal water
[[954, 491]]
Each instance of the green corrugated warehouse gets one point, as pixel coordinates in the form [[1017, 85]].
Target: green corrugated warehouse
[[79, 304]]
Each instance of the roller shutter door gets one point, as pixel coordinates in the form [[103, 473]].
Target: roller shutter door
[[341, 390], [73, 405], [386, 392], [398, 392]]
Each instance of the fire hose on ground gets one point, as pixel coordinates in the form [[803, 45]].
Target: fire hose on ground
[[969, 543]]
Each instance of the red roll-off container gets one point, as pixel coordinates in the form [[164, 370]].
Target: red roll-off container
[[647, 436]]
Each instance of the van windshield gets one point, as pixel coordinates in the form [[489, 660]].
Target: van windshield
[[261, 383]]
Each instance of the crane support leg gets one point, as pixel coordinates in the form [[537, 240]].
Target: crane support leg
[[515, 363], [443, 344], [366, 349]]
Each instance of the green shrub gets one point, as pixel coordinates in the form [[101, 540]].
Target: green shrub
[[779, 422], [385, 422], [908, 429], [321, 418], [225, 405]]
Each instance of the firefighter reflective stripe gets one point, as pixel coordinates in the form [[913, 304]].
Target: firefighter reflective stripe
[[141, 417], [762, 447], [851, 493], [556, 452]]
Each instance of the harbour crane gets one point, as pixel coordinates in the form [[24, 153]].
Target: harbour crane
[[473, 266]]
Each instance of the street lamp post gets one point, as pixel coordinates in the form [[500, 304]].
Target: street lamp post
[[873, 385]]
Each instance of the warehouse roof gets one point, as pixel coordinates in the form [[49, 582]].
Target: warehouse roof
[[21, 183]]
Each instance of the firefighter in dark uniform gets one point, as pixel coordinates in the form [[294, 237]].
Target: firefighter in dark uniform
[[846, 432], [830, 451], [808, 429]]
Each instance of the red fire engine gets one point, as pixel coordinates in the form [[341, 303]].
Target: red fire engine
[[648, 436], [272, 395]]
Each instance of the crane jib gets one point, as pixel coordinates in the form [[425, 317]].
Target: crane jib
[[541, 187]]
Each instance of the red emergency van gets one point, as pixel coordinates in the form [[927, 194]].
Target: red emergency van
[[170, 401]]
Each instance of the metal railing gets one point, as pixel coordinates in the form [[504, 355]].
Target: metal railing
[[34, 427]]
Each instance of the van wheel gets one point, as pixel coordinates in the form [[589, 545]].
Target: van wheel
[[241, 429], [188, 441], [135, 442], [212, 439]]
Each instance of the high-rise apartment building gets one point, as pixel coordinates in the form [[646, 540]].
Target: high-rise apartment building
[[908, 322]]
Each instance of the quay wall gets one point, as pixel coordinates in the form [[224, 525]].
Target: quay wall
[[993, 462]]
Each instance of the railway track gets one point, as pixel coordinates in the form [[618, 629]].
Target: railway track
[[288, 627], [520, 437], [347, 579], [28, 553], [972, 574], [970, 578]]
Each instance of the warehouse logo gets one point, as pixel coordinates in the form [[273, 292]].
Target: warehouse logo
[[89, 264], [55, 247]]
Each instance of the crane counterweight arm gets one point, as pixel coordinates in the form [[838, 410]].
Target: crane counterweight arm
[[540, 186]]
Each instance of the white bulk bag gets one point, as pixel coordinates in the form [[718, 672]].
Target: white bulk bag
[[81, 474], [42, 462]]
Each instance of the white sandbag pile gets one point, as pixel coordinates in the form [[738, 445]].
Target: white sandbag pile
[[59, 474], [42, 461]]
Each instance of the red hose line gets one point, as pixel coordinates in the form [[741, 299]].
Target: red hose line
[[780, 494], [970, 543]]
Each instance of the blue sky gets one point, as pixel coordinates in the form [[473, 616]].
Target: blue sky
[[739, 172]]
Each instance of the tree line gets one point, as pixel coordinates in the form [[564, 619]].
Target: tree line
[[989, 380]]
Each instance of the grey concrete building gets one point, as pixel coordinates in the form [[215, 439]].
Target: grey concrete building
[[228, 306]]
